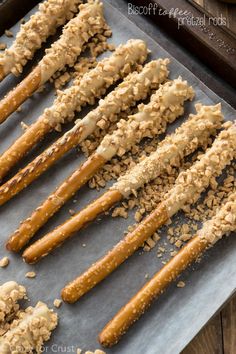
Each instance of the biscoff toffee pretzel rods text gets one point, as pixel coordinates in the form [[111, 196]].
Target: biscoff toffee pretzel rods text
[[28, 333], [186, 190], [155, 115], [10, 294], [92, 85], [169, 153], [63, 52], [135, 87], [42, 24], [213, 230]]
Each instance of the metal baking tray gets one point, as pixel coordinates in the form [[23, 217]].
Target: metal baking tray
[[177, 316]]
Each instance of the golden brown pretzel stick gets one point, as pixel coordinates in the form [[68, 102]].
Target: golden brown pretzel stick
[[131, 312], [222, 223], [135, 87], [187, 138], [42, 24], [63, 52], [154, 115], [2, 74], [56, 200], [181, 193], [92, 85]]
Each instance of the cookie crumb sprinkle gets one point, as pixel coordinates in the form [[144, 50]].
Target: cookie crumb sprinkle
[[57, 303], [4, 262], [181, 284], [30, 275]]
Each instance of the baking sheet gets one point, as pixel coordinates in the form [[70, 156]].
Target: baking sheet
[[180, 313]]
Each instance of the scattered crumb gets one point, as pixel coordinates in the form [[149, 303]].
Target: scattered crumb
[[146, 276], [72, 212], [30, 275], [181, 284], [19, 109], [24, 126], [4, 262], [84, 245], [22, 21], [8, 33], [3, 46], [57, 303], [97, 351]]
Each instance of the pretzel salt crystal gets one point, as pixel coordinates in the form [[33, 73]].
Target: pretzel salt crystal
[[28, 333], [42, 24], [10, 294], [150, 167], [135, 87], [187, 189], [92, 85], [63, 52], [221, 224], [154, 115]]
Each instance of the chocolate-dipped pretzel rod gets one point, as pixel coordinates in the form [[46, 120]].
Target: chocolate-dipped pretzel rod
[[187, 189], [42, 24], [84, 91], [221, 224], [135, 87], [186, 139], [28, 333], [10, 294], [63, 52], [165, 105]]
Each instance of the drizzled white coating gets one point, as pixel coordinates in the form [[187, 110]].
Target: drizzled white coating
[[186, 139], [28, 333], [42, 24], [135, 87], [164, 107], [10, 294], [77, 31], [222, 223], [191, 183], [95, 82]]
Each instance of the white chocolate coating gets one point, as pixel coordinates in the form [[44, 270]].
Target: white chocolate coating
[[164, 107], [42, 24], [135, 87], [191, 183], [222, 223], [10, 294], [95, 82], [28, 333], [76, 32], [187, 138]]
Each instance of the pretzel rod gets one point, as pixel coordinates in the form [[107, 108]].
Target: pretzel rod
[[132, 241], [2, 74], [135, 87], [63, 52], [46, 244], [186, 139], [30, 331], [92, 85], [164, 107], [152, 116], [42, 24], [10, 294], [222, 223]]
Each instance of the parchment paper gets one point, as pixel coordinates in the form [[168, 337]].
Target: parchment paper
[[179, 314]]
